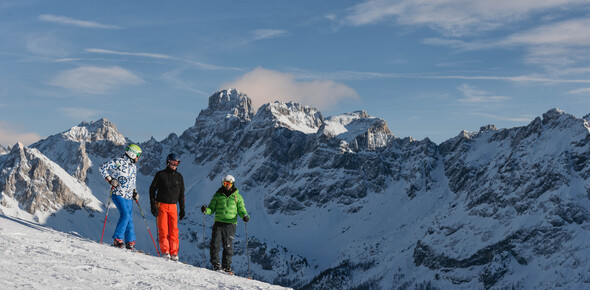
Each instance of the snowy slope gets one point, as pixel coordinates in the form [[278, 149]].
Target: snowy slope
[[38, 257]]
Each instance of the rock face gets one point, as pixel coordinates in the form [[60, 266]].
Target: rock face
[[71, 148], [31, 181], [340, 202], [4, 150]]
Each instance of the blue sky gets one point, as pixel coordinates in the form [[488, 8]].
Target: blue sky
[[429, 68]]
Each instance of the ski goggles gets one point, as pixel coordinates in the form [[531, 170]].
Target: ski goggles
[[227, 183], [173, 163]]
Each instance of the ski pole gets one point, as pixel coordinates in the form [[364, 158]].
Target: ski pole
[[204, 265], [148, 228], [247, 254], [105, 217], [158, 232]]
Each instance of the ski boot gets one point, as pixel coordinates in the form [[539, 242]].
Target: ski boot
[[166, 256], [216, 267], [130, 246], [228, 270], [118, 243], [174, 258]]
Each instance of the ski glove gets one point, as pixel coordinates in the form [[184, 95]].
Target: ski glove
[[154, 209], [204, 209], [246, 218], [181, 214], [135, 195], [113, 182]]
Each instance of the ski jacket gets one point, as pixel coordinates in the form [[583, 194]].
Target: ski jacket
[[124, 170], [227, 205], [169, 185]]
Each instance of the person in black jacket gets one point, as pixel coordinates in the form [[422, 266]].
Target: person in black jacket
[[169, 185]]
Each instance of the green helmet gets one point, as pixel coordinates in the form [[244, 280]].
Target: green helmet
[[133, 151]]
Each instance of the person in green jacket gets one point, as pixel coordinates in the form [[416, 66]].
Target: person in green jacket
[[226, 204]]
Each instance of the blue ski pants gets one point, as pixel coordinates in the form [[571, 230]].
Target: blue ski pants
[[124, 229]]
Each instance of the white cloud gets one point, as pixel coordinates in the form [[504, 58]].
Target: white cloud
[[582, 91], [198, 64], [47, 44], [264, 86], [522, 119], [472, 95], [573, 32], [259, 34], [95, 80], [554, 45], [141, 54], [75, 22], [452, 17], [79, 113], [10, 134], [533, 78]]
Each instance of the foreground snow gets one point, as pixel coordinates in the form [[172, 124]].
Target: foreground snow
[[37, 257]]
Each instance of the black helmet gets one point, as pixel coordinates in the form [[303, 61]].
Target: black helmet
[[172, 157]]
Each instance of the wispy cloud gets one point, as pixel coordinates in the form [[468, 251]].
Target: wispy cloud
[[553, 45], [47, 44], [173, 78], [573, 32], [95, 80], [197, 64], [459, 44], [79, 113], [259, 34], [11, 133], [356, 75], [472, 95], [452, 17], [265, 86], [74, 22], [521, 119], [141, 54], [582, 91]]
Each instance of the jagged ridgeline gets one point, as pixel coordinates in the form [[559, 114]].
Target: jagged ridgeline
[[340, 202]]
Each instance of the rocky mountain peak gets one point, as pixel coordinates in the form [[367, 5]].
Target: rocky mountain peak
[[293, 116], [101, 129], [487, 128], [358, 129], [3, 150], [232, 101], [553, 114], [53, 188]]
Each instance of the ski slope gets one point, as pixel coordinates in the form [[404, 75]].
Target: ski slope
[[37, 257]]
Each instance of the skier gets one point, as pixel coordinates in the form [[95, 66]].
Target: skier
[[169, 185], [121, 174], [227, 204]]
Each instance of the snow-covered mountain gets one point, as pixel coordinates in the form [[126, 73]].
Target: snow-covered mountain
[[32, 184], [4, 150], [340, 202]]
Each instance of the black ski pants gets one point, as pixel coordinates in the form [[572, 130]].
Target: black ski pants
[[222, 234]]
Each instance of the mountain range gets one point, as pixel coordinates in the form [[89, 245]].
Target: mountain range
[[340, 201]]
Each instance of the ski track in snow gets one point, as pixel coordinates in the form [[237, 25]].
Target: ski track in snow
[[37, 257]]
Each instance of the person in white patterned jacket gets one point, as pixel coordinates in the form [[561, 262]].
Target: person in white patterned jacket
[[121, 174]]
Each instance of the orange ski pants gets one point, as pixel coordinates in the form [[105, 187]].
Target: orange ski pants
[[168, 228]]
